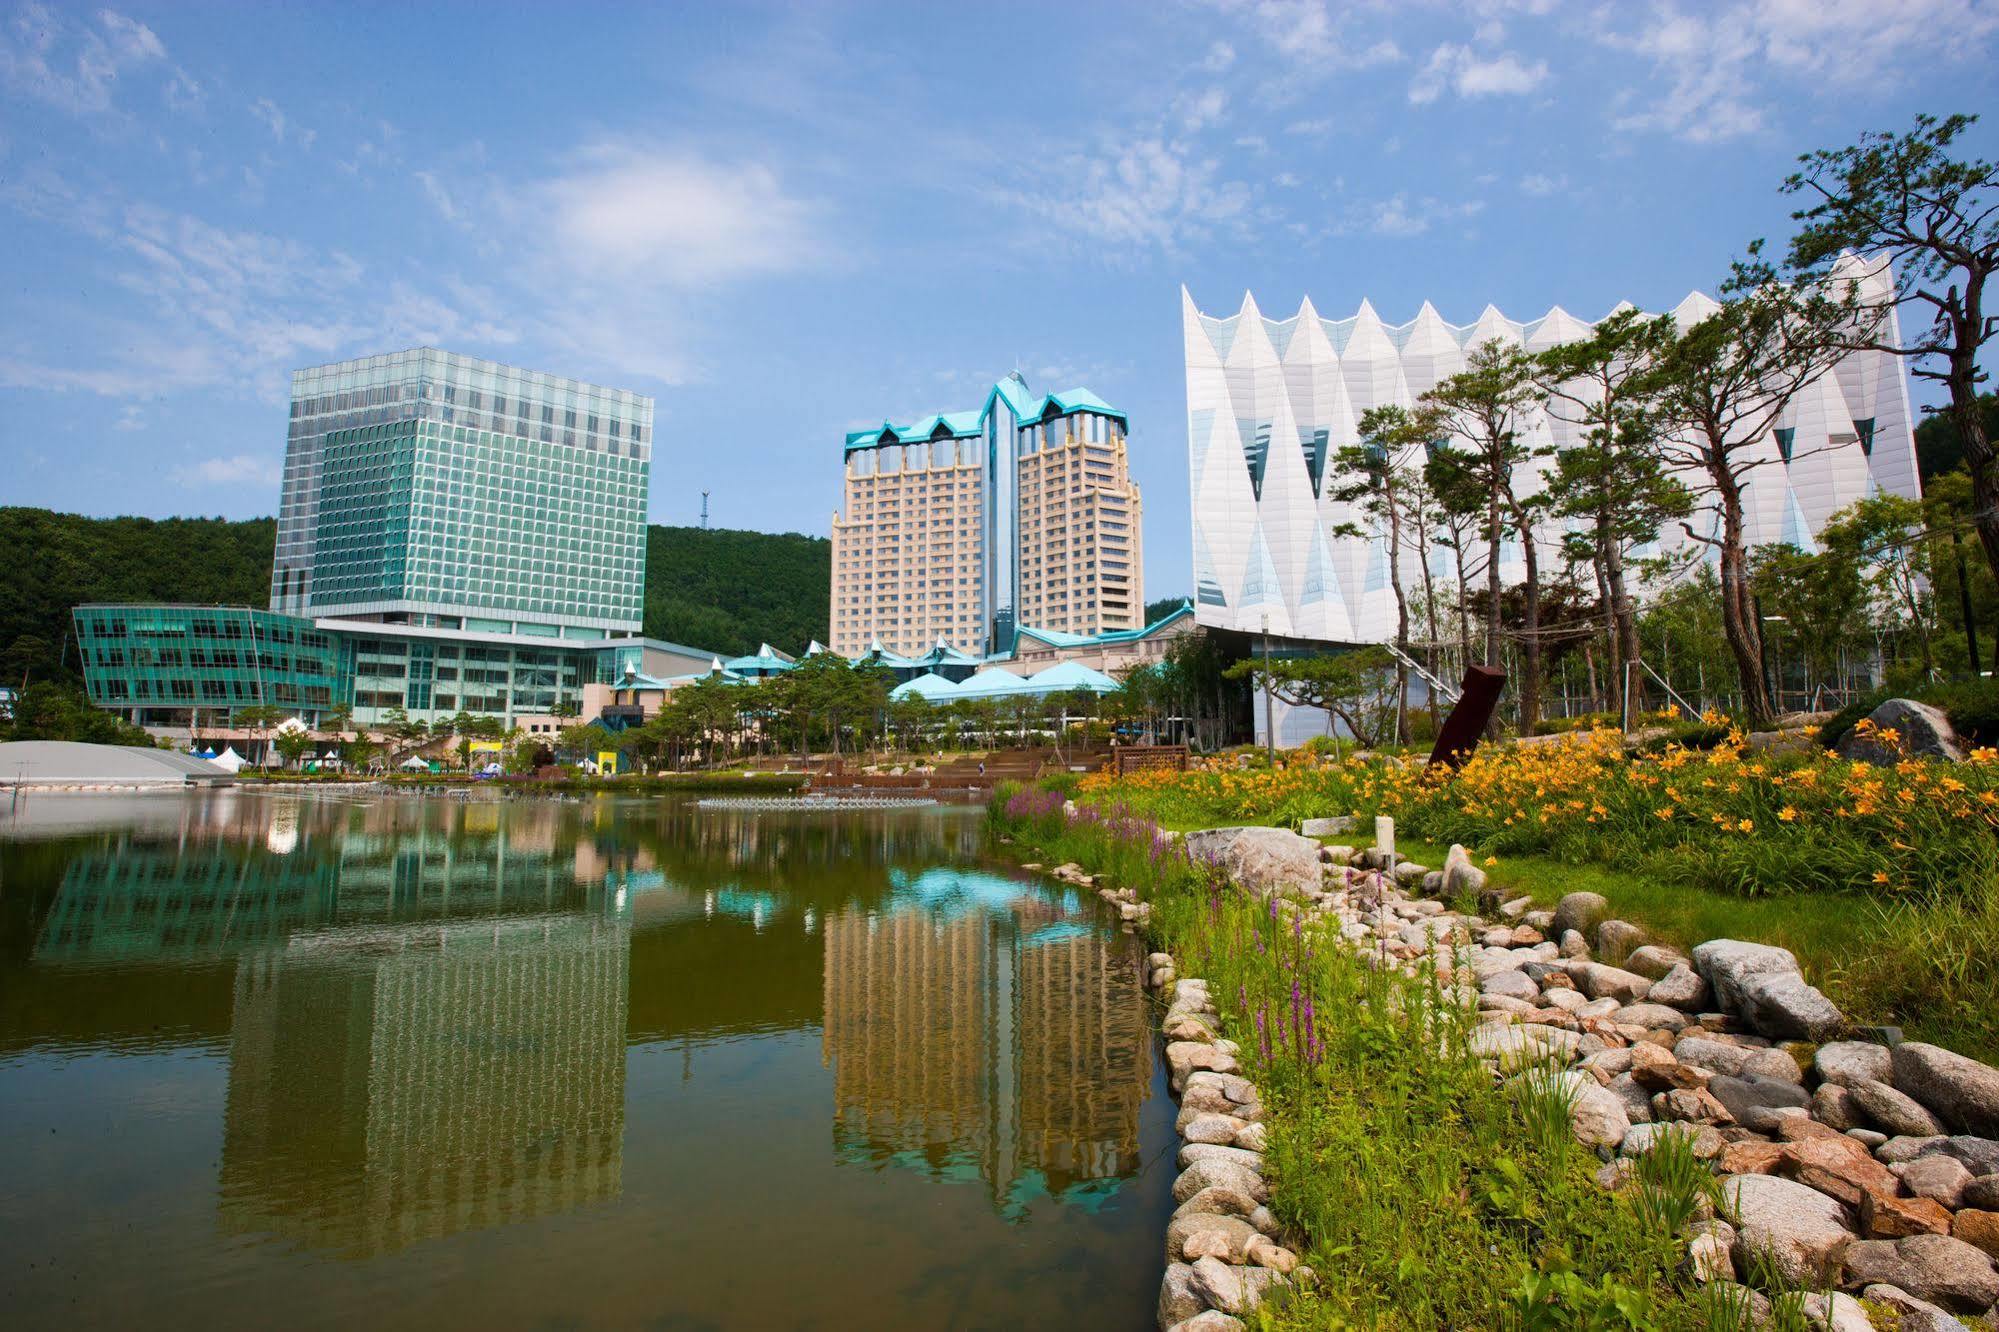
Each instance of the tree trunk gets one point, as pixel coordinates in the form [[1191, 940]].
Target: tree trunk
[[1492, 621], [1738, 610], [1624, 619], [1401, 613], [1530, 630]]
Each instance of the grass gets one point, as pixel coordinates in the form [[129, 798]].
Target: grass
[[1431, 1197]]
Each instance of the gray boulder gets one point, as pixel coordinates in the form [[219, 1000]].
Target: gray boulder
[[1921, 732], [1983, 1193], [1209, 1320], [1937, 1268], [1753, 1100], [1601, 981], [1616, 939], [1979, 1155], [1799, 1231], [1848, 1062], [1942, 1179], [1327, 827], [1178, 1301], [1681, 988], [1219, 1175], [1963, 1092], [1263, 860], [1461, 877], [1731, 964], [1892, 1111], [1230, 1231], [1233, 1290], [1654, 961], [1581, 912], [1784, 1006], [1513, 985], [1911, 1314]]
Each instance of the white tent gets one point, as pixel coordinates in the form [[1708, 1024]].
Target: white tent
[[229, 759], [415, 764]]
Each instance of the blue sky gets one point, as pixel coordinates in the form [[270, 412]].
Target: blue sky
[[788, 222]]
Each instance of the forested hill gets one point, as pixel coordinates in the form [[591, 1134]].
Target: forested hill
[[725, 591]]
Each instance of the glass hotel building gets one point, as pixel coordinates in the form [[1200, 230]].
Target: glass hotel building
[[453, 535]]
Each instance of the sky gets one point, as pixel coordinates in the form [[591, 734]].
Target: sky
[[786, 222]]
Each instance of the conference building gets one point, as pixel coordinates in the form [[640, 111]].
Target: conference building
[[454, 535], [1271, 401], [964, 528]]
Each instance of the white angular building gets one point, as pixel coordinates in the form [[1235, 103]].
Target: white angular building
[[1269, 401]]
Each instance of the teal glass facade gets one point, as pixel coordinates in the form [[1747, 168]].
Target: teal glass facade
[[163, 664], [432, 488]]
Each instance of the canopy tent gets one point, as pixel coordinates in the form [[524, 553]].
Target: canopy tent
[[414, 764], [228, 759]]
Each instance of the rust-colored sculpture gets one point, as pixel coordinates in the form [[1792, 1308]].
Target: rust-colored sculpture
[[1459, 735]]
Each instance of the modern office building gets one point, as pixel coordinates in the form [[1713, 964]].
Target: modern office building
[[964, 526], [1270, 401], [454, 535]]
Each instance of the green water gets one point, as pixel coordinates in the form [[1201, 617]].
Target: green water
[[305, 1060]]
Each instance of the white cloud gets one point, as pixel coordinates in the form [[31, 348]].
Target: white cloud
[[272, 115], [1198, 110], [1220, 56], [74, 66], [440, 198], [1316, 35], [242, 469], [1399, 215], [1464, 71], [1148, 190], [1718, 60], [130, 417], [1540, 185], [674, 217]]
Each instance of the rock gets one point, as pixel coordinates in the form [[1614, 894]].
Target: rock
[[1225, 1237], [1202, 1099], [1905, 1148], [1573, 946], [1265, 1221], [1979, 1155], [1730, 964], [1615, 940], [1983, 1193], [1637, 1102], [1708, 1257], [1510, 985], [1209, 1320], [1937, 1268], [1839, 1168], [1220, 1175], [1233, 1290], [1921, 732], [1833, 1104], [1581, 912], [1219, 1202], [1219, 1129], [1894, 1112], [1252, 1138], [1654, 961], [1596, 1117], [1514, 1047], [1735, 1305], [1782, 1005], [1963, 1092], [1704, 1141], [1834, 1312], [1848, 1062], [1681, 987], [1752, 1099], [1753, 1156], [1461, 877], [1601, 981], [1212, 1151], [1178, 1300], [1978, 1228], [1911, 1314], [1884, 1217], [1262, 860], [1327, 827], [1942, 1178], [1654, 1016], [1799, 1231], [1737, 1060], [1690, 1105], [1409, 874]]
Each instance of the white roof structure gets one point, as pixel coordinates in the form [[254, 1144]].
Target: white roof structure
[[1270, 401], [68, 763]]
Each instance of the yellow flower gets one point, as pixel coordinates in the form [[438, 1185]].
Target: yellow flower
[[1747, 825], [1665, 812], [1492, 860], [1880, 876], [1788, 814]]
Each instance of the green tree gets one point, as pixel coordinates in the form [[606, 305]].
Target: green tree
[[1481, 411], [1379, 476], [1720, 387], [50, 710], [1907, 199], [1353, 688], [292, 746], [1610, 479]]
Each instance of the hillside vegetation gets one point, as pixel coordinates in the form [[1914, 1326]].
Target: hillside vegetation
[[724, 591]]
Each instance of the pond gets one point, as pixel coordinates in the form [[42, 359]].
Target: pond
[[430, 1061]]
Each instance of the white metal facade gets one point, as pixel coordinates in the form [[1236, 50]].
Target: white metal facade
[[1269, 402]]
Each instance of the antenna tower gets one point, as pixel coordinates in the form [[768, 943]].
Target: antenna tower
[[704, 510]]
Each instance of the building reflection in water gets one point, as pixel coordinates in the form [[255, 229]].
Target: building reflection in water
[[976, 1028], [393, 1084]]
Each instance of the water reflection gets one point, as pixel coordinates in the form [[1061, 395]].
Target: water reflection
[[394, 1084], [384, 1027], [978, 1029]]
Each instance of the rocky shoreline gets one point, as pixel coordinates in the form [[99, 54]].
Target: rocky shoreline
[[1858, 1173]]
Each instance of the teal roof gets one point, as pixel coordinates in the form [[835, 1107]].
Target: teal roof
[[932, 686], [1068, 675], [766, 660], [992, 682], [1023, 405], [1059, 638]]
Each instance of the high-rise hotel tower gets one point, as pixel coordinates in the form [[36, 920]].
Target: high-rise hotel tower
[[965, 527]]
